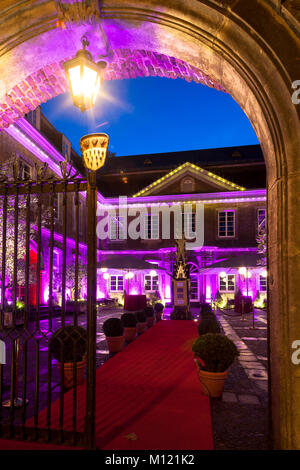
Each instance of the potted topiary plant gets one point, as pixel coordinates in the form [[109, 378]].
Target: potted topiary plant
[[113, 330], [205, 309], [141, 325], [149, 312], [158, 310], [214, 354], [68, 345], [209, 324], [129, 324]]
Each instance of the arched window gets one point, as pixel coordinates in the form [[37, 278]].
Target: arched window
[[187, 185]]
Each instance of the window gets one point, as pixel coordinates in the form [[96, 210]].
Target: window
[[226, 223], [189, 224], [116, 283], [56, 260], [227, 283], [66, 148], [262, 283], [151, 226], [24, 171], [117, 227], [34, 117], [261, 220], [187, 185], [151, 283]]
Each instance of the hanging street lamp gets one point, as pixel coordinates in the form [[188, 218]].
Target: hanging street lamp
[[85, 77]]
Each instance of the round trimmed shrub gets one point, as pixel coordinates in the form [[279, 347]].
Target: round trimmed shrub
[[149, 311], [159, 307], [128, 320], [216, 351], [209, 325], [112, 327], [140, 317], [63, 341]]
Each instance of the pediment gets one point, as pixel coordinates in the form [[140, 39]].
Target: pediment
[[188, 178]]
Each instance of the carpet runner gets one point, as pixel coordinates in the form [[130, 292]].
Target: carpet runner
[[148, 396]]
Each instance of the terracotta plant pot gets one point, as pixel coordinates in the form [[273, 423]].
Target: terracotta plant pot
[[68, 373], [150, 321], [212, 383], [115, 343], [129, 334], [141, 327]]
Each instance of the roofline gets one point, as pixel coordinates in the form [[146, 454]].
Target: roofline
[[205, 198]]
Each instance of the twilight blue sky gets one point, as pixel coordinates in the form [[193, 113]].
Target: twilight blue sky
[[152, 115]]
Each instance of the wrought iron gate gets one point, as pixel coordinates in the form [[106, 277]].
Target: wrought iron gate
[[44, 262]]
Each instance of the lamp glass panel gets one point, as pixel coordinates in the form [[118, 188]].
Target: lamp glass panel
[[89, 82], [74, 74]]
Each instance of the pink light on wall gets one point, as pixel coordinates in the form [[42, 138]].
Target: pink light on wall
[[46, 294], [168, 293], [208, 294], [100, 294], [133, 292]]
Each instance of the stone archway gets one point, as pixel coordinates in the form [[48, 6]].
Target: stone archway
[[251, 52]]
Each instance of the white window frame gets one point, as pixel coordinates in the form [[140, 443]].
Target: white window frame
[[147, 277], [154, 227], [119, 283], [260, 222], [116, 227], [264, 279], [225, 280], [22, 165], [189, 224], [66, 148], [227, 211]]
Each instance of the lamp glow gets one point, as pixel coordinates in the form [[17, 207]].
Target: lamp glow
[[129, 275], [264, 273], [222, 274], [93, 148], [153, 273], [85, 77], [103, 270], [105, 276], [242, 271]]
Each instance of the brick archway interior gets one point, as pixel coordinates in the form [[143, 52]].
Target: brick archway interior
[[50, 81]]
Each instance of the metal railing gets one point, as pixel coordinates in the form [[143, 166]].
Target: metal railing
[[39, 248]]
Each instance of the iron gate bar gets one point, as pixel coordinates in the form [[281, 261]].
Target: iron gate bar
[[4, 226], [31, 330], [91, 311], [50, 311], [26, 311]]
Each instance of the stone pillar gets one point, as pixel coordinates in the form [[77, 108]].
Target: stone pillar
[[284, 308]]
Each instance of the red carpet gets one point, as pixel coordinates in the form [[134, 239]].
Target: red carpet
[[148, 396]]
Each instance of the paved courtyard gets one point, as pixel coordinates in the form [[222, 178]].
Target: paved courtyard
[[240, 418]]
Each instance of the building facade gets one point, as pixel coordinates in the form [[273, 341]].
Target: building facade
[[214, 198]]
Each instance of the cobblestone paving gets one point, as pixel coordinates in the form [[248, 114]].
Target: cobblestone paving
[[240, 418]]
